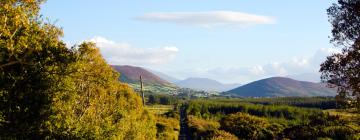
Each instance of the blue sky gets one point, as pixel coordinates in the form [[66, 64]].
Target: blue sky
[[231, 41]]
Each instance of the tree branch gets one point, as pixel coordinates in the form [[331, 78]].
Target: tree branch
[[9, 64]]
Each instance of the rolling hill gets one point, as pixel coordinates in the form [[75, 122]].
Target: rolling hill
[[280, 87], [152, 82], [205, 84], [131, 74]]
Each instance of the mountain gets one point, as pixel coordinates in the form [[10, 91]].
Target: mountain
[[165, 76], [205, 84], [152, 83], [280, 86], [309, 77], [131, 74]]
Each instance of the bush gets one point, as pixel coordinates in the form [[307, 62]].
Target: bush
[[246, 126]]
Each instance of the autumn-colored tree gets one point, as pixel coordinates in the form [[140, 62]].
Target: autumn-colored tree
[[343, 69], [50, 91], [97, 105], [32, 62], [246, 126]]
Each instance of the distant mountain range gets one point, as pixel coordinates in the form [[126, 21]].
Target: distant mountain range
[[277, 86], [205, 84], [280, 87], [131, 75], [165, 76]]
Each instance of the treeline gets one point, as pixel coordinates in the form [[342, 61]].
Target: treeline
[[255, 121], [208, 108], [162, 99], [308, 102], [50, 91]]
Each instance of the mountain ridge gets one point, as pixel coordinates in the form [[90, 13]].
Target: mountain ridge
[[205, 84], [282, 87]]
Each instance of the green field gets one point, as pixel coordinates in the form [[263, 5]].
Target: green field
[[159, 109]]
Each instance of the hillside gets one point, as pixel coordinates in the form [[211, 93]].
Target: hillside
[[165, 76], [131, 74], [152, 83], [280, 86], [205, 84]]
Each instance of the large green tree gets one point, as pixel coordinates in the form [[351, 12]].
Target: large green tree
[[50, 91], [32, 61], [343, 69]]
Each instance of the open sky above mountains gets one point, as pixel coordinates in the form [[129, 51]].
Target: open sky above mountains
[[230, 41]]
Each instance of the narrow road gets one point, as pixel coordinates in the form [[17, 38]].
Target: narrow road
[[183, 124]]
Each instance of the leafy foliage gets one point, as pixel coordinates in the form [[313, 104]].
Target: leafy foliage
[[246, 126], [162, 99], [168, 126], [254, 121], [205, 108], [308, 102], [48, 91], [343, 69]]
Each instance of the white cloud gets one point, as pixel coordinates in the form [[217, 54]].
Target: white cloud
[[208, 19], [257, 70], [124, 53]]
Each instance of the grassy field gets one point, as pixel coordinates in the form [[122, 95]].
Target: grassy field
[[347, 115], [344, 114], [159, 109]]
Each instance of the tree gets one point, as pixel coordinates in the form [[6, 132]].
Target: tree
[[343, 69], [152, 99], [48, 91], [33, 61], [97, 105], [246, 126]]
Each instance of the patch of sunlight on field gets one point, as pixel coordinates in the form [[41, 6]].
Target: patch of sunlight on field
[[348, 115], [345, 114], [159, 109]]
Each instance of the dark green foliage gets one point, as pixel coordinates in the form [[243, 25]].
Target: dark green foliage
[[343, 69], [204, 108], [162, 99], [308, 102]]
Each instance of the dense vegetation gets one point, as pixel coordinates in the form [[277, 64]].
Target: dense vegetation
[[342, 69], [50, 91], [255, 121], [162, 99], [308, 102], [168, 126]]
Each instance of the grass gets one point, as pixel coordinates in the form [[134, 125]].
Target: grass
[[349, 115], [344, 114], [159, 109]]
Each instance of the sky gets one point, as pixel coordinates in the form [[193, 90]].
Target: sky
[[232, 41]]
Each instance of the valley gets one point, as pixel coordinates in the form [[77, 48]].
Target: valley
[[179, 70], [272, 108]]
